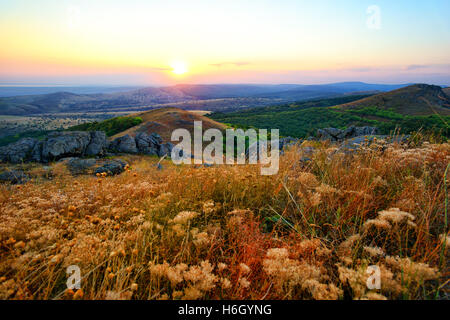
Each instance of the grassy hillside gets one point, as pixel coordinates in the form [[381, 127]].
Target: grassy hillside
[[419, 99], [303, 119], [165, 120]]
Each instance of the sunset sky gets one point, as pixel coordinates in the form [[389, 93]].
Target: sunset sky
[[108, 42]]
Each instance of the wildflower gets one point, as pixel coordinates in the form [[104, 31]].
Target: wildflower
[[225, 283], [209, 207], [134, 287], [244, 282], [379, 224], [374, 251], [192, 293], [375, 296], [184, 216], [69, 292], [394, 215], [78, 295], [221, 266], [244, 268], [201, 239], [10, 241], [326, 189], [19, 245]]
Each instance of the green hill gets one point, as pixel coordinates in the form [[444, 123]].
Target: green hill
[[303, 119]]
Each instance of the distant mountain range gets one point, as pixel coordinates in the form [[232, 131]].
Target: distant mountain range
[[212, 97]]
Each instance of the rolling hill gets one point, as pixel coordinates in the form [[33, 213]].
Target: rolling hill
[[408, 109], [165, 120], [418, 99]]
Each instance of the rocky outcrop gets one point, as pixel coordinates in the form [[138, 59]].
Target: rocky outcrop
[[58, 145], [124, 144], [112, 167], [13, 177], [79, 166], [19, 151], [334, 134], [283, 143], [66, 144], [55, 146], [165, 149], [97, 145], [148, 144]]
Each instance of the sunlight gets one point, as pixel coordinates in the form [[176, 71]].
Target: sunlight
[[179, 67]]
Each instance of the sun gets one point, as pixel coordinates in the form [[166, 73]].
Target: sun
[[179, 67]]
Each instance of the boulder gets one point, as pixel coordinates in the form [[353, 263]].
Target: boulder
[[19, 151], [78, 166], [283, 144], [334, 134], [165, 149], [112, 167], [124, 144], [148, 144], [97, 145], [65, 144], [36, 154], [13, 177]]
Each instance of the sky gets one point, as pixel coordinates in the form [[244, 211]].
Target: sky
[[132, 42]]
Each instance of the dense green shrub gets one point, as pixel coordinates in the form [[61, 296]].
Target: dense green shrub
[[110, 126]]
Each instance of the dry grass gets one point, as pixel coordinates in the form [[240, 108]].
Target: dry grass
[[227, 232]]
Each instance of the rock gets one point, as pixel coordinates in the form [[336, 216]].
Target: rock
[[64, 144], [36, 154], [112, 167], [334, 134], [19, 151], [148, 144], [78, 166], [97, 145], [165, 149], [365, 131], [283, 144], [124, 144], [13, 177], [306, 154]]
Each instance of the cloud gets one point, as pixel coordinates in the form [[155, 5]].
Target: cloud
[[161, 69], [427, 66], [361, 69], [417, 66], [237, 64]]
